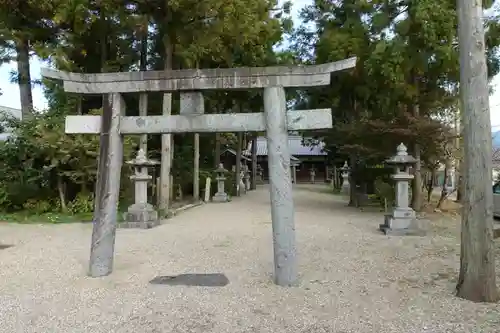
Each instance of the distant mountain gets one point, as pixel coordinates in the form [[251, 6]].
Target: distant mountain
[[496, 139]]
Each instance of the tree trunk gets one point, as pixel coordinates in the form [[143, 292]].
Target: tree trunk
[[353, 195], [238, 164], [444, 192], [460, 186], [24, 77], [62, 194], [79, 106], [143, 98], [416, 189], [430, 184], [353, 198], [458, 166], [103, 138], [217, 150], [254, 163], [196, 158], [166, 139], [196, 168], [335, 178], [477, 281], [413, 79], [425, 180]]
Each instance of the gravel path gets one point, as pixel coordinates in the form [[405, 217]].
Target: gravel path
[[353, 279]]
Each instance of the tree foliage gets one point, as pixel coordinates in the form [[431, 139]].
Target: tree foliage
[[406, 79], [91, 36], [407, 56]]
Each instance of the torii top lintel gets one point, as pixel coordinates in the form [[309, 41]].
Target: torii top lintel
[[199, 79]]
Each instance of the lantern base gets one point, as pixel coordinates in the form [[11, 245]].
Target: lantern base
[[141, 216], [242, 188], [346, 189], [220, 197], [401, 226]]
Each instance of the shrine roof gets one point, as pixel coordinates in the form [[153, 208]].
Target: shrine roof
[[295, 144]]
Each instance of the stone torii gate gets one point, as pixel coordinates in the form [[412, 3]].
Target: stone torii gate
[[275, 120]]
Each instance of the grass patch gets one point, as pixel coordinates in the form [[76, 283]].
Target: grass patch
[[51, 218], [27, 217]]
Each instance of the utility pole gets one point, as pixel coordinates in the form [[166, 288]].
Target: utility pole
[[476, 281]]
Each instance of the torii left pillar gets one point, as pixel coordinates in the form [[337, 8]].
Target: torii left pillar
[[108, 188]]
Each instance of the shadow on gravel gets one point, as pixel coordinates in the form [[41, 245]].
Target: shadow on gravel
[[195, 280]]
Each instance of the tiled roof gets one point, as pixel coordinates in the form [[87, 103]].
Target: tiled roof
[[297, 148], [293, 159], [233, 152]]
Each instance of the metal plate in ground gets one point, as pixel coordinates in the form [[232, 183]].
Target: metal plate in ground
[[5, 246], [197, 280]]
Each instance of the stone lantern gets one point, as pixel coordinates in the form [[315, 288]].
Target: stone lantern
[[346, 186], [312, 175], [293, 165], [241, 180], [141, 214], [221, 195], [259, 176], [403, 220], [246, 177]]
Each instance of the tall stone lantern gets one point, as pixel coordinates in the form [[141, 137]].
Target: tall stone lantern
[[402, 220], [259, 179], [346, 186], [220, 195], [141, 214], [312, 175], [248, 186]]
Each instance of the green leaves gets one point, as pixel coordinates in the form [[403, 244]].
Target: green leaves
[[39, 152], [407, 56]]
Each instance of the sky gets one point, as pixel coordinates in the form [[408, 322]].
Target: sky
[[11, 98]]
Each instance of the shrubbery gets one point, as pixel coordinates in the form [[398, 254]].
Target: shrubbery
[[44, 170]]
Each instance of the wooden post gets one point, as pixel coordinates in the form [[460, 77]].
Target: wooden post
[[166, 159], [143, 111], [477, 280], [158, 187], [166, 139], [143, 143], [254, 163], [335, 177], [282, 212], [108, 190], [171, 188], [238, 165], [192, 104], [196, 168], [208, 183], [217, 150], [143, 97]]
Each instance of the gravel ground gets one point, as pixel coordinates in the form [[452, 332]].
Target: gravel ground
[[353, 279]]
